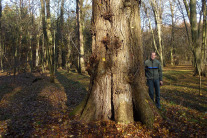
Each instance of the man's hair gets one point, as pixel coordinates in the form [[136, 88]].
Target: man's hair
[[152, 52]]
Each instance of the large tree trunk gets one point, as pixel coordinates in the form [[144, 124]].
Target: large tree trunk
[[117, 89], [81, 66]]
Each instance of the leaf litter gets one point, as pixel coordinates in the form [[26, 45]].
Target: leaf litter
[[31, 108]]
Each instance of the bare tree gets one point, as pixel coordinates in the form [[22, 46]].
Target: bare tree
[[157, 10], [81, 62], [1, 46]]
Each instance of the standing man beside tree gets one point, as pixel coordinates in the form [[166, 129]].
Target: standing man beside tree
[[153, 72]]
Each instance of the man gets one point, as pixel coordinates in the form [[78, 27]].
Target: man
[[153, 72]]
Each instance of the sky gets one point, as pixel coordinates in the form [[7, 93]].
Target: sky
[[70, 6]]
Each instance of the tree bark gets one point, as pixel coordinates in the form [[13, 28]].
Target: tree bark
[[48, 37], [117, 87], [173, 34], [44, 34], [158, 21], [50, 50], [79, 5], [1, 46], [37, 62], [61, 46], [194, 35], [204, 33]]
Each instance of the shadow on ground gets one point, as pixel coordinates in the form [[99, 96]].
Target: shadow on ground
[[185, 99], [74, 86], [23, 104]]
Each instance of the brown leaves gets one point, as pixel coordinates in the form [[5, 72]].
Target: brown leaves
[[42, 109]]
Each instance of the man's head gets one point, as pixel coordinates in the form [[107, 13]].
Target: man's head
[[153, 55]]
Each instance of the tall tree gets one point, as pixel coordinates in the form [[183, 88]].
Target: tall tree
[[37, 52], [157, 10], [60, 27], [44, 33], [1, 46], [116, 66], [48, 37], [172, 51], [81, 62], [195, 33], [204, 37], [49, 40]]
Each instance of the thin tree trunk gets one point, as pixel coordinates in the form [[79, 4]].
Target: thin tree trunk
[[79, 5], [44, 56], [152, 32], [62, 29], [186, 27], [173, 33], [1, 45], [116, 65], [158, 22], [204, 37], [49, 45], [38, 44], [54, 54], [37, 51], [194, 34], [15, 60], [68, 55], [187, 8]]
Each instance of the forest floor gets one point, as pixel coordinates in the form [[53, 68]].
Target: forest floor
[[31, 106]]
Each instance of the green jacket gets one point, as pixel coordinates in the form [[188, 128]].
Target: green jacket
[[153, 69]]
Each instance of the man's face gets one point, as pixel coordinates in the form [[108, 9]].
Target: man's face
[[153, 56]]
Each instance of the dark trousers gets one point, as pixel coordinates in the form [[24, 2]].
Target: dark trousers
[[154, 84]]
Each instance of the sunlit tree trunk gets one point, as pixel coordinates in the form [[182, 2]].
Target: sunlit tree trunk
[[194, 34], [48, 37], [172, 51], [156, 7], [37, 52], [37, 48], [15, 56], [195, 46], [44, 33], [30, 40], [1, 45], [49, 49], [68, 54], [152, 32], [204, 37], [81, 62], [117, 88], [43, 55]]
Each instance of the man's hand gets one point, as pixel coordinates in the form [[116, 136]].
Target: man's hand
[[161, 83]]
